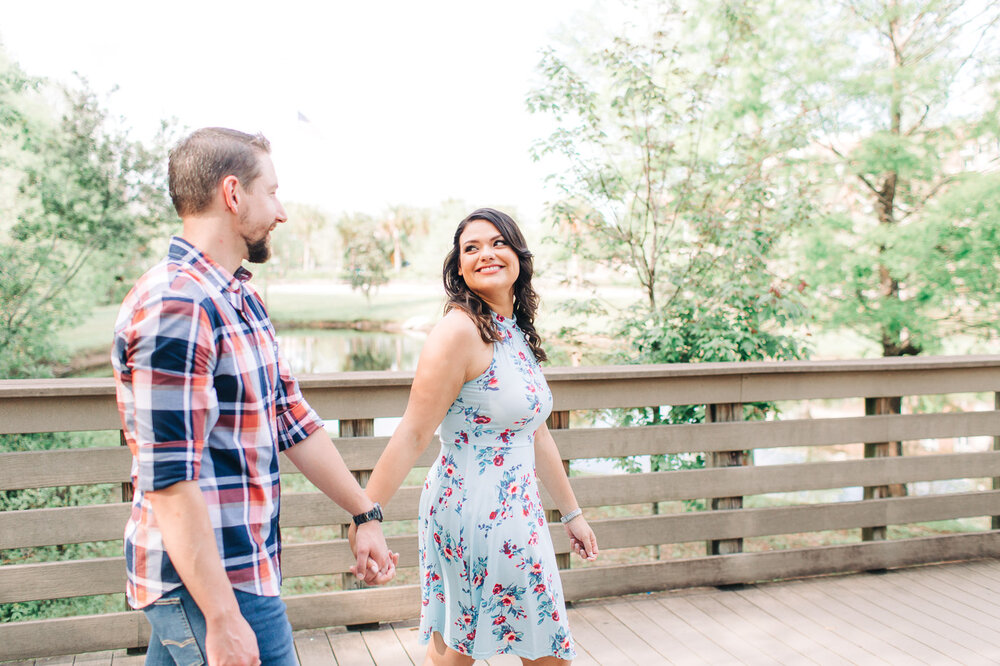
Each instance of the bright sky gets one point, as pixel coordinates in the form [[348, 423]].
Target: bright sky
[[407, 102]]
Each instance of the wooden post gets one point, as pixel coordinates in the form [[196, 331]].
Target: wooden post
[[559, 421], [732, 411], [875, 407], [995, 520], [128, 491], [355, 428]]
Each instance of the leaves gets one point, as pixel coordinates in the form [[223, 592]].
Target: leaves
[[86, 204]]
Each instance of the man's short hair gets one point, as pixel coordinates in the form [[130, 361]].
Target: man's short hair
[[200, 161]]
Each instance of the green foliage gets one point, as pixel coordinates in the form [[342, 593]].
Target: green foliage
[[367, 252], [899, 254], [678, 175], [678, 150], [87, 202], [307, 242]]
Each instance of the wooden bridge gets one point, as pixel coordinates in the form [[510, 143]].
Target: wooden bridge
[[669, 537]]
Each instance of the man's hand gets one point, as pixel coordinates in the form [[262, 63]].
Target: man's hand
[[368, 544], [229, 641]]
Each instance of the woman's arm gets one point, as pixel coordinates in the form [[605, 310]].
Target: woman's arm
[[453, 354], [549, 470]]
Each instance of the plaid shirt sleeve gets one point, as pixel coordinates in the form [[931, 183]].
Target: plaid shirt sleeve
[[296, 419], [170, 358]]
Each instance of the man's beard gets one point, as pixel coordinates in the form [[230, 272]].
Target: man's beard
[[258, 251]]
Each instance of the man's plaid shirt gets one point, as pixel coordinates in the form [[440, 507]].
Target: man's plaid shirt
[[204, 395]]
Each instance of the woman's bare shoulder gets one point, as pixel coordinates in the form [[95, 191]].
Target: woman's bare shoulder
[[455, 343], [457, 324]]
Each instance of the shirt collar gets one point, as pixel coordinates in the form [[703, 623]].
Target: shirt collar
[[227, 283]]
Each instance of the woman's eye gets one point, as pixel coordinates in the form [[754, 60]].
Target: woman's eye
[[499, 242], [470, 248]]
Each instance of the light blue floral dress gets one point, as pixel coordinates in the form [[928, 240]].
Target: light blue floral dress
[[490, 584]]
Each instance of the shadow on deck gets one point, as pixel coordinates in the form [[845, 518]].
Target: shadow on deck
[[942, 614]]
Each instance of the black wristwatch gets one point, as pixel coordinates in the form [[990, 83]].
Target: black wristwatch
[[375, 513]]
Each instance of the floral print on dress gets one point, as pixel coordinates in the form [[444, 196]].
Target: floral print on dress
[[489, 582]]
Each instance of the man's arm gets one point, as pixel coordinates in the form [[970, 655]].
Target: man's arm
[[189, 539], [320, 461], [170, 356]]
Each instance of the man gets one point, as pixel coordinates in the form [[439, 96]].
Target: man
[[207, 402]]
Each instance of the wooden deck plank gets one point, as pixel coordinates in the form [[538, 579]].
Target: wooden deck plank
[[815, 626], [313, 648], [941, 593], [621, 635], [977, 575], [852, 605], [721, 634], [980, 588], [591, 640], [659, 638], [684, 632], [502, 660], [103, 658], [349, 648], [778, 631], [961, 590], [121, 658], [845, 623], [744, 630], [954, 614], [916, 618], [408, 635], [992, 565], [385, 648]]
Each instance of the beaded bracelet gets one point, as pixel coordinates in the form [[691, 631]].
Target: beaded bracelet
[[571, 515]]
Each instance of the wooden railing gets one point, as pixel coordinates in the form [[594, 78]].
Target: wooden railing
[[356, 398]]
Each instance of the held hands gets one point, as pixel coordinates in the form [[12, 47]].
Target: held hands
[[376, 564], [582, 539]]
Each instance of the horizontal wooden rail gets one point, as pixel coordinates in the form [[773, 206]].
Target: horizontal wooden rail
[[68, 405], [66, 467], [52, 580], [20, 640], [40, 527]]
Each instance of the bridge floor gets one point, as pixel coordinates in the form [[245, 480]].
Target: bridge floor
[[944, 614]]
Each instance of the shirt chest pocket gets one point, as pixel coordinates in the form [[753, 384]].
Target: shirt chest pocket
[[248, 367]]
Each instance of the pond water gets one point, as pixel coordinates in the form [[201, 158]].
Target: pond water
[[318, 351]]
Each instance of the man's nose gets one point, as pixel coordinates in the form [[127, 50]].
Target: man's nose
[[282, 215]]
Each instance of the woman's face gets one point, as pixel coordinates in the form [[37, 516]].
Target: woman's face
[[486, 262]]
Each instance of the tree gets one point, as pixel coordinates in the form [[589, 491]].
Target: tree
[[400, 223], [367, 252], [306, 241], [677, 167], [907, 113], [88, 200]]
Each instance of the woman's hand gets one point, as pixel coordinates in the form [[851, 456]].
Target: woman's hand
[[582, 539]]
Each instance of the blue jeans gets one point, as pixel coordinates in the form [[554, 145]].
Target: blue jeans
[[179, 629]]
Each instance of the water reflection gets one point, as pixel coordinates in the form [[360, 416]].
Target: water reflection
[[311, 351]]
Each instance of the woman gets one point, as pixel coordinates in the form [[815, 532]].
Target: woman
[[489, 577]]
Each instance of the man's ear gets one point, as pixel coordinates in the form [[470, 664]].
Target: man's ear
[[231, 194]]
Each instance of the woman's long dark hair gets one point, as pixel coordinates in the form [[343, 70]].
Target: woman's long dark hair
[[525, 298]]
